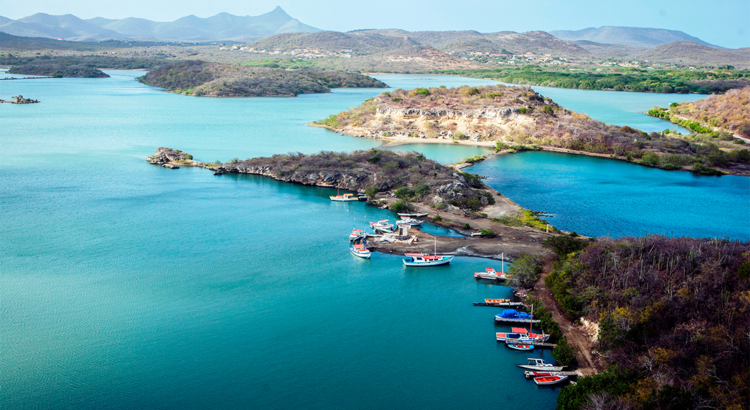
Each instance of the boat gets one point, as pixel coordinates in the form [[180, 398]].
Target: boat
[[382, 226], [344, 198], [518, 346], [359, 250], [420, 259], [514, 316], [491, 274], [521, 335], [538, 364], [409, 221], [412, 215], [530, 374], [549, 380], [356, 233]]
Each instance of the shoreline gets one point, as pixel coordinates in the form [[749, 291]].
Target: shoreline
[[399, 141]]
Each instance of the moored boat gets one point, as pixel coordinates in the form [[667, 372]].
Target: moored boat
[[514, 316], [530, 374], [521, 335], [549, 380], [491, 274], [519, 346], [428, 260], [539, 365], [408, 221], [359, 250], [344, 198], [356, 233], [382, 226], [412, 215]]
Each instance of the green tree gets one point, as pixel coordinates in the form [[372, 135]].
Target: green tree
[[525, 271]]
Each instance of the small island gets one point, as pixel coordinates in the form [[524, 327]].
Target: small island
[[200, 78], [20, 100], [404, 182], [512, 119]]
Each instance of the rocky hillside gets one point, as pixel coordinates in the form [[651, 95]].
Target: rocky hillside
[[520, 118], [729, 112], [224, 80]]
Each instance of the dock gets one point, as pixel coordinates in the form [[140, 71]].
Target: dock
[[501, 304]]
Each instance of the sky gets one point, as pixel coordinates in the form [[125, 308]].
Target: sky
[[721, 22]]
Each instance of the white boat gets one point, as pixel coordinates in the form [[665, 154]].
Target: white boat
[[420, 259], [344, 198], [382, 226], [356, 233], [360, 251], [412, 215], [539, 365], [408, 221], [521, 335], [491, 274]]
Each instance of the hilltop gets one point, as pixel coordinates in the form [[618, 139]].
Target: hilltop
[[200, 78], [519, 118]]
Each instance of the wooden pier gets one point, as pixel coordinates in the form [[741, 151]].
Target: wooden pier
[[503, 304]]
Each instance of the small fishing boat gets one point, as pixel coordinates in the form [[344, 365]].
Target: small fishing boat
[[408, 221], [344, 198], [382, 226], [360, 251], [549, 380], [530, 374], [428, 260], [356, 233], [514, 316], [539, 365], [521, 335], [518, 346], [491, 274], [420, 259], [412, 215]]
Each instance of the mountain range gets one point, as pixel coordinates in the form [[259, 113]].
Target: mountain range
[[638, 37], [221, 27]]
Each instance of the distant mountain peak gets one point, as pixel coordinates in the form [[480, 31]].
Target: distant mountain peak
[[641, 37]]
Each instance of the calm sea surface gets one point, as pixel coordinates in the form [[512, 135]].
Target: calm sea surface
[[125, 285]]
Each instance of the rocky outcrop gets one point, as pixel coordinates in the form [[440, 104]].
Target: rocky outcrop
[[167, 155], [20, 100], [486, 113]]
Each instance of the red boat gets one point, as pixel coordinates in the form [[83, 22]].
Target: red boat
[[549, 380]]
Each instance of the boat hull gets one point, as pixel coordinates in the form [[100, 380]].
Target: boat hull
[[334, 199], [427, 263], [516, 346], [360, 254], [541, 368], [549, 380], [505, 320]]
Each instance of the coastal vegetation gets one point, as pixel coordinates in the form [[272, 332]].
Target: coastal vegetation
[[673, 317], [200, 78], [627, 79], [79, 67], [518, 119], [718, 116]]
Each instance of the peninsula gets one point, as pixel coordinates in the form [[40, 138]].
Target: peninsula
[[404, 182], [518, 118], [200, 78]]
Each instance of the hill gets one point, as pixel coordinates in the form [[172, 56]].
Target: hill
[[223, 26], [518, 118], [223, 80], [729, 112], [696, 54], [671, 321], [628, 36]]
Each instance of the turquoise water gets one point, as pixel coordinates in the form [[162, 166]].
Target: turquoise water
[[126, 285], [596, 196]]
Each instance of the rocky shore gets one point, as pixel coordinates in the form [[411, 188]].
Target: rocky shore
[[20, 100], [453, 199]]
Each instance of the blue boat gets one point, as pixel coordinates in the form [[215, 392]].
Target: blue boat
[[514, 316]]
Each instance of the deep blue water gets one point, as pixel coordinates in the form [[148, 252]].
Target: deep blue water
[[597, 196], [126, 285]]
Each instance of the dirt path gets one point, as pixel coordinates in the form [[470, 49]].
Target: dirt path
[[575, 335]]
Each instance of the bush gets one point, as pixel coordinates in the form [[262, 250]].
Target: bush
[[523, 110], [487, 233], [547, 109], [371, 191], [564, 353], [650, 159], [401, 206], [404, 192], [460, 136], [563, 245], [466, 226], [525, 271], [437, 218]]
